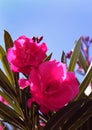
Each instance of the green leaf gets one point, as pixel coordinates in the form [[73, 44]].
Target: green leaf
[[74, 56], [5, 79], [48, 57], [16, 85], [87, 79], [24, 98], [9, 115], [80, 117], [63, 57], [5, 64], [8, 40], [7, 119], [82, 120], [82, 61], [12, 104], [6, 86], [8, 89], [62, 115]]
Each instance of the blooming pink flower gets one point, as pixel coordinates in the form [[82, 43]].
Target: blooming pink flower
[[51, 86], [1, 127], [25, 53], [3, 100]]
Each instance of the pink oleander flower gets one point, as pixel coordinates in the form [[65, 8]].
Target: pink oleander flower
[[1, 127], [25, 54], [3, 100], [51, 86]]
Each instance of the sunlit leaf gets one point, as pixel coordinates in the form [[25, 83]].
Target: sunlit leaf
[[82, 62], [87, 79], [74, 56], [5, 64]]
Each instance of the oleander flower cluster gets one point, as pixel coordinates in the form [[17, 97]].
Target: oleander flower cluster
[[37, 92], [51, 85]]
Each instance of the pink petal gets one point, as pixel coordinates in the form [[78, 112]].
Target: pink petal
[[23, 83]]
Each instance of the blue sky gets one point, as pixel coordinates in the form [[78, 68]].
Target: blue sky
[[61, 22]]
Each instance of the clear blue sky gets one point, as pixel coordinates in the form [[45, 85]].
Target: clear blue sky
[[61, 22]]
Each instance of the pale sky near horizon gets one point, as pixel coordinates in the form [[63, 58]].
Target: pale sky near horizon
[[60, 22]]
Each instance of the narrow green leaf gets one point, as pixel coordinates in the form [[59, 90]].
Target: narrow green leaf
[[10, 115], [82, 61], [82, 116], [48, 57], [5, 64], [84, 109], [24, 97], [87, 79], [7, 119], [15, 76], [8, 40], [75, 55], [6, 86], [82, 120], [63, 57], [62, 115], [4, 78], [9, 89], [12, 103]]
